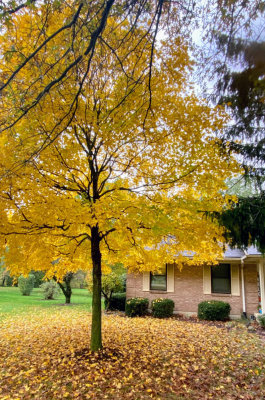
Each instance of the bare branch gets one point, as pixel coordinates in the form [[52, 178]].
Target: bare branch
[[158, 13]]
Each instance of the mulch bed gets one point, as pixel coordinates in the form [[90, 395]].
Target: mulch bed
[[253, 326]]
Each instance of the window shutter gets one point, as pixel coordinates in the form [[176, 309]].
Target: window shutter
[[146, 281], [235, 284], [170, 277], [207, 286]]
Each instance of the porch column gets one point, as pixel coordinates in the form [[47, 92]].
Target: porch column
[[262, 285]]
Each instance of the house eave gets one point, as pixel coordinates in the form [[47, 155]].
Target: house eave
[[247, 258], [232, 259]]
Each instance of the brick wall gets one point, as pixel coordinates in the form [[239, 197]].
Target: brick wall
[[251, 288], [188, 290]]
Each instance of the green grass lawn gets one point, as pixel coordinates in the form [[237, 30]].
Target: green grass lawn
[[12, 301]]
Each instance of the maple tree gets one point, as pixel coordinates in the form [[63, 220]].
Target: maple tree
[[84, 25], [130, 177], [70, 41]]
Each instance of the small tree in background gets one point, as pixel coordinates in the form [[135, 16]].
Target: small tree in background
[[65, 285], [79, 280], [39, 275], [26, 284], [112, 282], [5, 278]]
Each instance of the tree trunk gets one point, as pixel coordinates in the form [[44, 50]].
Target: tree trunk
[[68, 290], [96, 339], [67, 299], [107, 304], [66, 286], [107, 299]]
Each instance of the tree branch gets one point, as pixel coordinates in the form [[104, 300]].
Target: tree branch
[[16, 9], [41, 46]]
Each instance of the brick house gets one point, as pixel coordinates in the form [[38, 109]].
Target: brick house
[[239, 279]]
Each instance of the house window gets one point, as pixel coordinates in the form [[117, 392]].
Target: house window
[[221, 278], [158, 280]]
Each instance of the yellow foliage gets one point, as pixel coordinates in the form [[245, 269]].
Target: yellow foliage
[[142, 174]]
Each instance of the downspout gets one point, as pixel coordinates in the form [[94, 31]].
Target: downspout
[[262, 286], [243, 288]]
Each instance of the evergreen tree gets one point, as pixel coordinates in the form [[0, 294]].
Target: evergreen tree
[[243, 91]]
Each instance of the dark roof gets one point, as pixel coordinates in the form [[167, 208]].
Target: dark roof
[[238, 253], [252, 251], [234, 253]]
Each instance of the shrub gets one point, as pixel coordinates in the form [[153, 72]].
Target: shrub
[[117, 302], [261, 319], [214, 310], [137, 306], [162, 308], [50, 290], [26, 284]]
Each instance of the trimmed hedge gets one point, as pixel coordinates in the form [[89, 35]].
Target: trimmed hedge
[[214, 310], [137, 306], [117, 302], [162, 308]]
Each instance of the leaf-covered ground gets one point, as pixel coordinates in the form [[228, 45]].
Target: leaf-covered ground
[[46, 357]]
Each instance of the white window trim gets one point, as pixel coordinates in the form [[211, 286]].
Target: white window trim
[[235, 280], [170, 280]]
